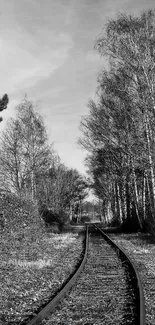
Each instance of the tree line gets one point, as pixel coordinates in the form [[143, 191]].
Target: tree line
[[31, 168], [119, 130]]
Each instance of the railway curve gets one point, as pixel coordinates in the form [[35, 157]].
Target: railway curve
[[140, 303], [141, 307]]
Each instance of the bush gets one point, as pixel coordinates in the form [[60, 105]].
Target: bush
[[85, 219], [18, 214], [51, 217], [114, 223]]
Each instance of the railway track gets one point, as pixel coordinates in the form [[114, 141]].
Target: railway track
[[108, 290]]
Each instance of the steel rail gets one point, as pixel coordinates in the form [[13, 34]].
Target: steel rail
[[137, 276], [54, 302]]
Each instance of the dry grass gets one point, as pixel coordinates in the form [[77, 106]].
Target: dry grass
[[31, 272]]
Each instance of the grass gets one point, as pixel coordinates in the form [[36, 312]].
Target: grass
[[32, 271]]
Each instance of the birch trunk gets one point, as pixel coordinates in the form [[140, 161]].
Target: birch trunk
[[32, 185], [123, 198], [109, 211], [136, 193], [149, 194], [150, 159], [128, 201], [71, 213], [144, 197], [119, 203]]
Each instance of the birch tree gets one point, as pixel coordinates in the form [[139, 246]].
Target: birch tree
[[65, 188], [123, 119], [129, 43], [24, 152]]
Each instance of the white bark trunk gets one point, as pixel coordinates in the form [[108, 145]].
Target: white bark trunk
[[119, 203], [136, 192], [144, 198], [150, 159]]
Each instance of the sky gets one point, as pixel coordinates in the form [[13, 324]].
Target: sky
[[47, 52]]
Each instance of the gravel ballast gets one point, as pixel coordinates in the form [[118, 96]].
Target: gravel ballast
[[141, 248], [101, 294]]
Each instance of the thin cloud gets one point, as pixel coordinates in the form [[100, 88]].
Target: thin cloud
[[24, 65], [46, 51]]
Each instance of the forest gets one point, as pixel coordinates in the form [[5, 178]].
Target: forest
[[119, 130], [118, 134], [32, 174]]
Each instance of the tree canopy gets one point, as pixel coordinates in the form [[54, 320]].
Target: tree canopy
[[119, 130], [30, 167]]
